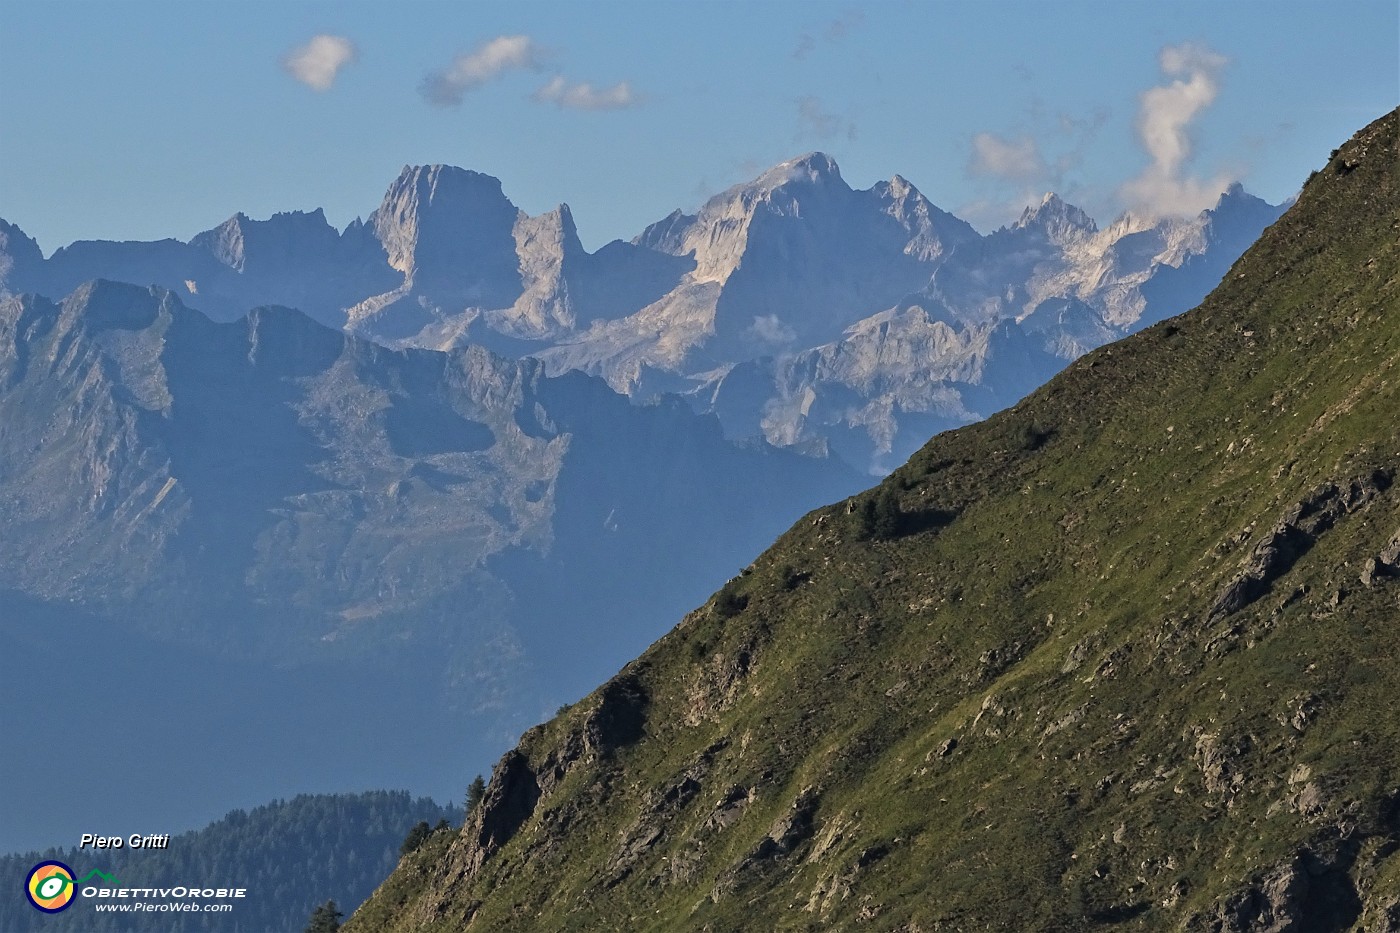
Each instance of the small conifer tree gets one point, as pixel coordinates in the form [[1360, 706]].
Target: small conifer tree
[[416, 837], [880, 516], [325, 919], [476, 790]]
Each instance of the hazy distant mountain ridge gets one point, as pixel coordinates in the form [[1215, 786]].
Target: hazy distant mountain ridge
[[1053, 286], [792, 263], [300, 465], [463, 532], [782, 262]]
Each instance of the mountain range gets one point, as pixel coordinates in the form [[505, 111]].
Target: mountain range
[[794, 307], [477, 467], [346, 540], [1121, 656]]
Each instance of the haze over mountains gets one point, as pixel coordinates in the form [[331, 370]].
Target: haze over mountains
[[411, 545], [794, 307]]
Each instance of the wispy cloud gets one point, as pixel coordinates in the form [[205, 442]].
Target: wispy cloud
[[583, 96], [1043, 152], [987, 214], [814, 120], [1015, 169], [1013, 159], [834, 31], [769, 328], [447, 87], [317, 63], [1165, 116]]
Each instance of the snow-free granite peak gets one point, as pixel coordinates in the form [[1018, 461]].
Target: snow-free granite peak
[[795, 264]]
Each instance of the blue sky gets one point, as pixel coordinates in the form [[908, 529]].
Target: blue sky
[[139, 120]]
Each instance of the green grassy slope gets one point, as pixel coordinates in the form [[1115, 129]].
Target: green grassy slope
[[1104, 660]]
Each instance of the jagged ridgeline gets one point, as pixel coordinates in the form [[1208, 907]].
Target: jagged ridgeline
[[1124, 655], [289, 856], [312, 557], [793, 307]]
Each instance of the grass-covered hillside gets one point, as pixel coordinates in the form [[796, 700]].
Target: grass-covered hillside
[[1125, 656]]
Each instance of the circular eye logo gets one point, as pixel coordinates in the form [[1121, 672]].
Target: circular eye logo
[[49, 886]]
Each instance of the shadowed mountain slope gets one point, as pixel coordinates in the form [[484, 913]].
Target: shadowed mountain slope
[[1122, 656], [445, 545]]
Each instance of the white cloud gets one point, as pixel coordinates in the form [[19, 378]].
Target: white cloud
[[1017, 159], [488, 61], [768, 328], [584, 96], [317, 63], [988, 214], [1015, 169], [1164, 123]]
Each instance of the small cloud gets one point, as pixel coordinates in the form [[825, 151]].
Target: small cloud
[[814, 120], [768, 328], [988, 214], [1015, 169], [317, 63], [584, 96], [488, 61], [1165, 115], [1015, 159]]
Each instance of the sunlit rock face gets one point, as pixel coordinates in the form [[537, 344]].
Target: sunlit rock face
[[795, 307]]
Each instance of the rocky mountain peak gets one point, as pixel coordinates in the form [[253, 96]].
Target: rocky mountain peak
[[15, 242], [1236, 216], [288, 341], [1235, 200], [932, 231], [1128, 223], [1056, 217], [899, 186], [448, 209], [18, 253], [665, 235], [562, 219], [814, 168], [105, 305], [274, 241]]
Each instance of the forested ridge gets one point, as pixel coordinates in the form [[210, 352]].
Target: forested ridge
[[290, 855]]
